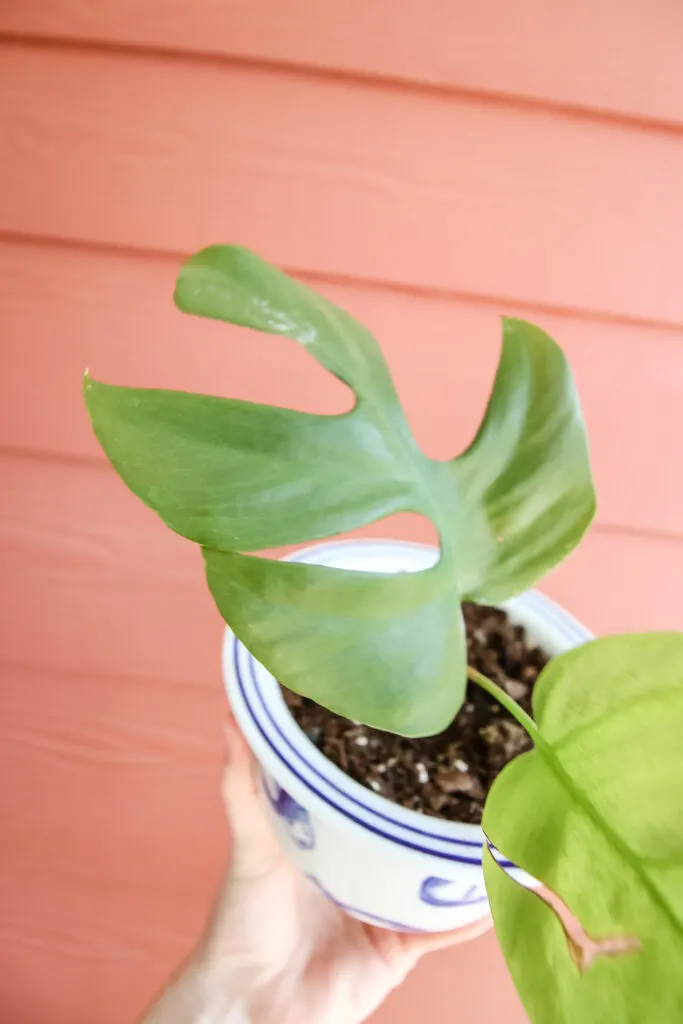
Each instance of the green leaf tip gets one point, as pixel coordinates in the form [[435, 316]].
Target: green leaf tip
[[237, 478], [211, 263]]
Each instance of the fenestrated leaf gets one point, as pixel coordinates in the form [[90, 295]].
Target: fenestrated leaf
[[237, 477], [594, 812]]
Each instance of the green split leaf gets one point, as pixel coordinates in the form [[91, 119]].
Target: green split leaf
[[237, 477], [593, 812]]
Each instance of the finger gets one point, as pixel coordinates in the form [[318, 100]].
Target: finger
[[254, 848], [418, 944], [241, 770]]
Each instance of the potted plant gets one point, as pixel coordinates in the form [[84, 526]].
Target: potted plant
[[377, 792]]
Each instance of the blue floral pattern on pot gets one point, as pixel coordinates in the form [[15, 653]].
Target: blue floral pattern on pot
[[295, 818], [441, 892]]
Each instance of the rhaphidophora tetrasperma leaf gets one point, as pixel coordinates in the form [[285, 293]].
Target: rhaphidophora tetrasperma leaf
[[237, 477]]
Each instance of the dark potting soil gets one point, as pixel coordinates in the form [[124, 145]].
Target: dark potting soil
[[448, 775]]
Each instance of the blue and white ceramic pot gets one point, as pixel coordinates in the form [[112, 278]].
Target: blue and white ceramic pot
[[378, 861]]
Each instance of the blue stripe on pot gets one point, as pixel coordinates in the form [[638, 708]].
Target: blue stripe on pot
[[332, 785], [473, 861]]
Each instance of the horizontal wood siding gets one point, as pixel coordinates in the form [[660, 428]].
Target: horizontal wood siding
[[426, 191], [442, 351], [620, 56], [429, 166]]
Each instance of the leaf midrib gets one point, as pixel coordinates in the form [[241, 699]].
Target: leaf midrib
[[546, 751]]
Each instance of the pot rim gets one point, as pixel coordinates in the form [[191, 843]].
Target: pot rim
[[273, 732]]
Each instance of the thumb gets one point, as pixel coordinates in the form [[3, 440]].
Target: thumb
[[255, 851], [416, 945]]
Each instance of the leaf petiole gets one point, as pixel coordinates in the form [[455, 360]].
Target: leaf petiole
[[505, 700]]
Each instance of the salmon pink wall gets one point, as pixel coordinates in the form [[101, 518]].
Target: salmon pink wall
[[430, 165]]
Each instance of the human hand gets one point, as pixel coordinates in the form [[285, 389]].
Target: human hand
[[278, 944]]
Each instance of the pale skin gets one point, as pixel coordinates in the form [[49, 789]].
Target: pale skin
[[276, 950]]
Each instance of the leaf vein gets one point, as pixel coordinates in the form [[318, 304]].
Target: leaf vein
[[547, 752]]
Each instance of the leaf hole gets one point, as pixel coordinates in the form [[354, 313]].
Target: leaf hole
[[583, 948], [409, 526]]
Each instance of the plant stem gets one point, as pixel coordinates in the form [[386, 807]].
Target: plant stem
[[504, 699]]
